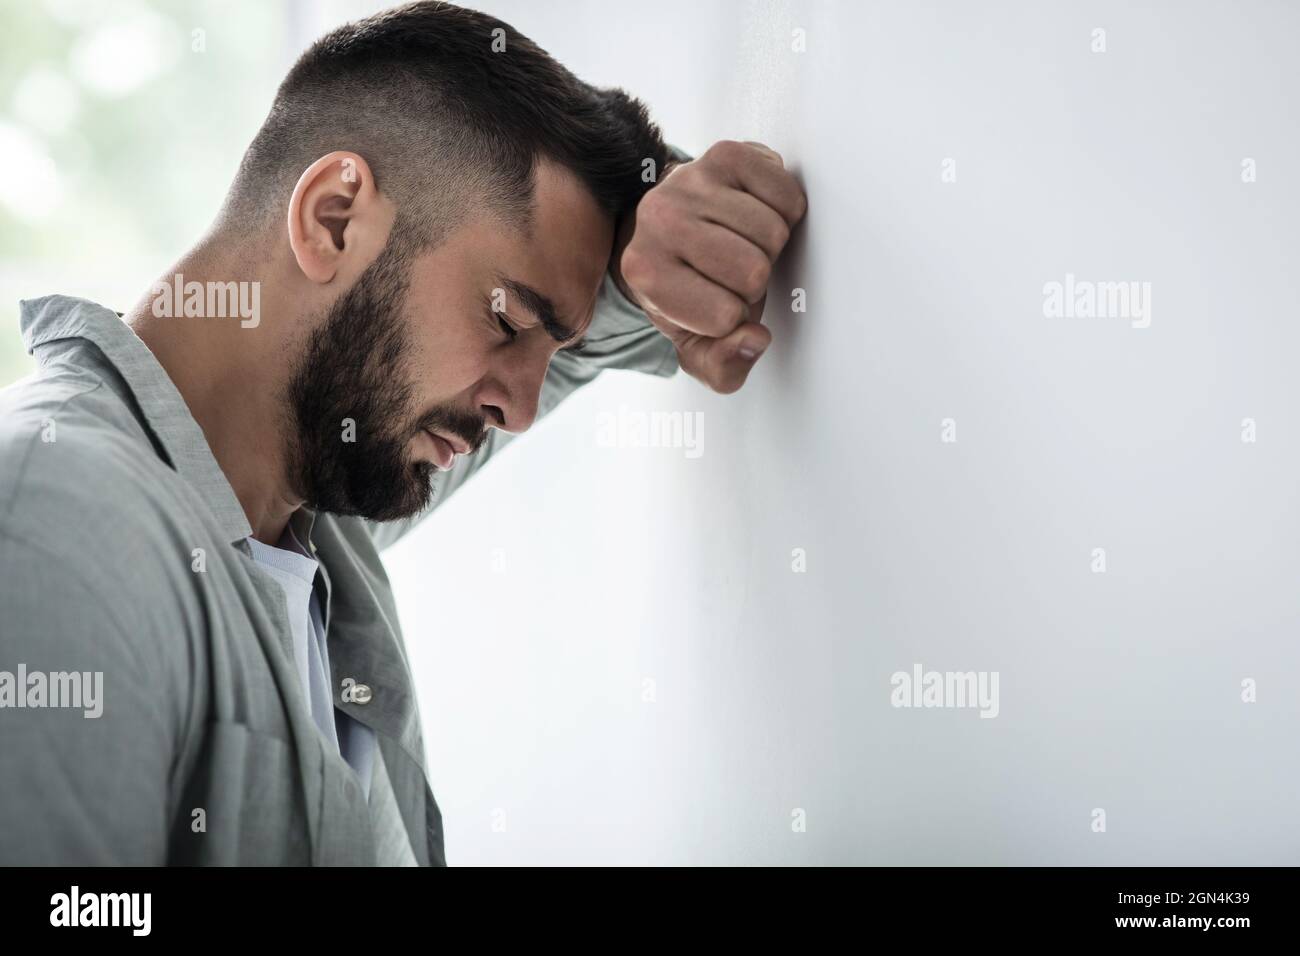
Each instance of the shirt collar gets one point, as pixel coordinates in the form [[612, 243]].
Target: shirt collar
[[55, 318]]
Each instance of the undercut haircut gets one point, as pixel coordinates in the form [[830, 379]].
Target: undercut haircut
[[452, 109]]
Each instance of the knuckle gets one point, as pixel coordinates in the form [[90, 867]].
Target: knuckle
[[780, 160], [635, 266], [756, 279], [780, 235], [726, 151], [688, 179], [801, 203], [734, 313]]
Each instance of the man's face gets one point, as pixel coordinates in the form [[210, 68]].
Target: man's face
[[414, 350]]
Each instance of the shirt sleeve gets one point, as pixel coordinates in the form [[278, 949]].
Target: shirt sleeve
[[84, 785], [620, 336]]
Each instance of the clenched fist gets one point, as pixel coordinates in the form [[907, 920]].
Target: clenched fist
[[697, 253]]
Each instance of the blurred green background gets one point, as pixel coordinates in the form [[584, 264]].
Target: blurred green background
[[121, 125]]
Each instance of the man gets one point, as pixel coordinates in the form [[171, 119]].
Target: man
[[437, 234]]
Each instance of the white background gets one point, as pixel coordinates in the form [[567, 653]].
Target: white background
[[1119, 691]]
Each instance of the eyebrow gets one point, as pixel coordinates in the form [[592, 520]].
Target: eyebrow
[[544, 309]]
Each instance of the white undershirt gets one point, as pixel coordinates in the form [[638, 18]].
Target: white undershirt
[[295, 571]]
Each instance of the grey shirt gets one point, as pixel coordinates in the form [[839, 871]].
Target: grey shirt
[[124, 552], [296, 570]]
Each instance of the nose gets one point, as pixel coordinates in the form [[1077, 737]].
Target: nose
[[510, 396]]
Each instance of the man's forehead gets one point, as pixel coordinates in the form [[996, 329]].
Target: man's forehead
[[552, 271]]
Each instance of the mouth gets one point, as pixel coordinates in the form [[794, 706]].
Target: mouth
[[444, 450], [440, 451]]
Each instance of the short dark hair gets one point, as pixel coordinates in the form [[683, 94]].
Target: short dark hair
[[446, 118]]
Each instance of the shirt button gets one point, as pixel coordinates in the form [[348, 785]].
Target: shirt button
[[361, 694]]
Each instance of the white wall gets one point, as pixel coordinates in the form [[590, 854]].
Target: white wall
[[1119, 690]]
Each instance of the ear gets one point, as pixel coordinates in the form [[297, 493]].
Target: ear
[[338, 221]]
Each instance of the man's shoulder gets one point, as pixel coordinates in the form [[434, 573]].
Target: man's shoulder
[[94, 535], [74, 459]]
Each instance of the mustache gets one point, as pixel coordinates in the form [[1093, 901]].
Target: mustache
[[469, 428]]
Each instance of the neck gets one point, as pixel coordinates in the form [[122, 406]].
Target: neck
[[230, 369]]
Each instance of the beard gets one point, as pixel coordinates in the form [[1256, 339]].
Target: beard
[[357, 369]]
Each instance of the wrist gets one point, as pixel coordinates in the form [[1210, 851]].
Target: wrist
[[623, 232]]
